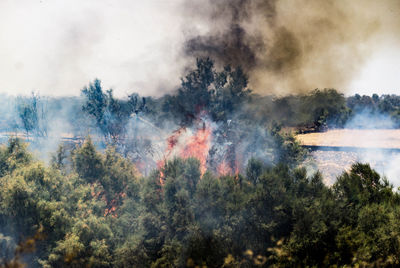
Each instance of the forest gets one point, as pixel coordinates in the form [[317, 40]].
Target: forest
[[223, 94], [230, 189], [93, 209]]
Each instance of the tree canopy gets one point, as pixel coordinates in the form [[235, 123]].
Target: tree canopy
[[96, 210]]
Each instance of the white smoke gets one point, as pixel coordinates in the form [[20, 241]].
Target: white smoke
[[57, 46]]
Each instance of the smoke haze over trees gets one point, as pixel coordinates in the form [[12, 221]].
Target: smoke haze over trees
[[203, 176], [218, 99], [94, 209], [196, 164]]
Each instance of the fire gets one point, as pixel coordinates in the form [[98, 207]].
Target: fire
[[113, 205], [173, 139], [171, 142], [225, 169], [161, 178], [196, 142], [197, 145]]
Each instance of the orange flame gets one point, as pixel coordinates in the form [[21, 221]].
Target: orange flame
[[224, 169], [171, 142], [113, 205], [198, 146], [161, 178]]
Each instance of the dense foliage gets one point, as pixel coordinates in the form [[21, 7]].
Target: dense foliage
[[93, 209], [91, 206]]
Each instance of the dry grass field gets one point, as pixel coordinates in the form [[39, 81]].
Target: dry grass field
[[332, 162], [362, 138]]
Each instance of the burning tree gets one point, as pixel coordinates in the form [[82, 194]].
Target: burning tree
[[207, 102], [211, 108]]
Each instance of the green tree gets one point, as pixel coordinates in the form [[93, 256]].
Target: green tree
[[110, 114], [32, 115], [88, 162]]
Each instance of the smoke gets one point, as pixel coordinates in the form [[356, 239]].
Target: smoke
[[378, 134], [57, 46], [286, 46], [367, 119], [292, 46], [368, 137]]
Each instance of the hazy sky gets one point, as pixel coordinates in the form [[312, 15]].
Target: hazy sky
[[58, 46], [381, 73]]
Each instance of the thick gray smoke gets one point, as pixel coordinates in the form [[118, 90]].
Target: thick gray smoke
[[292, 46]]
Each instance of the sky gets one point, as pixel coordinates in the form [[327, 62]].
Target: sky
[[380, 74], [56, 47]]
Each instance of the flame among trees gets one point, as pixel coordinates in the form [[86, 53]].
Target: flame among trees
[[91, 209], [94, 209], [210, 110], [243, 124]]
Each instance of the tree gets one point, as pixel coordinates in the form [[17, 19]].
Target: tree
[[32, 115], [204, 89], [96, 103], [88, 162], [327, 107], [111, 115]]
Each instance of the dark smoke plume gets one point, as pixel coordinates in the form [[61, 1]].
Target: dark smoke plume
[[289, 46], [232, 44]]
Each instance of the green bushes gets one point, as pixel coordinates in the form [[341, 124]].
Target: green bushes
[[95, 211]]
